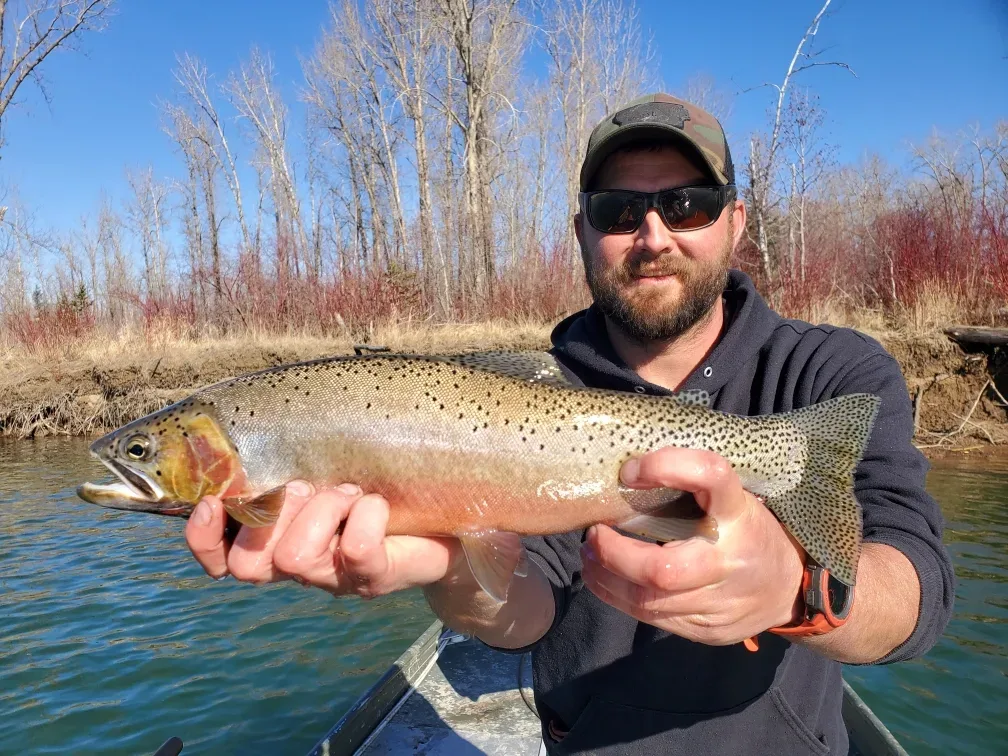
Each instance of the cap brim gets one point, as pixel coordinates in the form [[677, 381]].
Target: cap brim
[[628, 135]]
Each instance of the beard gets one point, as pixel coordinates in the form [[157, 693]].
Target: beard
[[654, 313]]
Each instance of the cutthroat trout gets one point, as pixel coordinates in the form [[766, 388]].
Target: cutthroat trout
[[484, 447]]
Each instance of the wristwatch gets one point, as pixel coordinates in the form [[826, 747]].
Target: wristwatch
[[827, 603]]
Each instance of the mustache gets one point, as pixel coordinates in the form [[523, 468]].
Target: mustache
[[666, 265]]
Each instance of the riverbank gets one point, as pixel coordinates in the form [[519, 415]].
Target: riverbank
[[90, 388]]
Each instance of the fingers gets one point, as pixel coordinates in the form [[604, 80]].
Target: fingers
[[204, 534], [307, 549], [251, 556], [643, 601], [303, 544], [678, 566], [708, 476], [362, 553]]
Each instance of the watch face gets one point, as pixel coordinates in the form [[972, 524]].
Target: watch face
[[838, 596]]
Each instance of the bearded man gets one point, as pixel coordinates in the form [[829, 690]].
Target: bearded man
[[640, 647]]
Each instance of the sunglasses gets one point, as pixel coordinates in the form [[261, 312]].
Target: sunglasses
[[686, 208]]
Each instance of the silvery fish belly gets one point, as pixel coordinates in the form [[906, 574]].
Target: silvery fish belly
[[484, 447]]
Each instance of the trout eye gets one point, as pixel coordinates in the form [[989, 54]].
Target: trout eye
[[137, 448]]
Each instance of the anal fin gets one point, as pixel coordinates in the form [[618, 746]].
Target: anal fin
[[256, 510], [494, 557]]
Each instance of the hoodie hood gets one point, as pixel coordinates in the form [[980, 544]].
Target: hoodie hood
[[581, 343]]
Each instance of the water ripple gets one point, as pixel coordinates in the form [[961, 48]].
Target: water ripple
[[113, 640], [953, 700]]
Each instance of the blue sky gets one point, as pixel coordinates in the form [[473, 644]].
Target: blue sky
[[920, 65]]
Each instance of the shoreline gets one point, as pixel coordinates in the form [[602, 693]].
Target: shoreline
[[105, 385]]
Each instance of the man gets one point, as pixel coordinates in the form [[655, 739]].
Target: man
[[640, 647]]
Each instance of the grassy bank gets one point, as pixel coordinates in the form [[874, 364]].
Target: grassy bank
[[91, 385]]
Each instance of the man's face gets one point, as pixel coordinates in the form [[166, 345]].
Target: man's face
[[656, 284]]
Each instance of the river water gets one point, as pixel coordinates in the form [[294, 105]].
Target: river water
[[112, 639]]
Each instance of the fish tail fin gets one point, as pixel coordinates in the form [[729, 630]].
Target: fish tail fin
[[821, 512]]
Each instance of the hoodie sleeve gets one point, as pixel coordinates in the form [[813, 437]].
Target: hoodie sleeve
[[897, 510]]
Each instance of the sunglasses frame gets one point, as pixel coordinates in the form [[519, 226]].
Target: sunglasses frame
[[725, 194]]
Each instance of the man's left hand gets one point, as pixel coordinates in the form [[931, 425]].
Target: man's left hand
[[714, 593]]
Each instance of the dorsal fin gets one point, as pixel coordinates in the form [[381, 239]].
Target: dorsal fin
[[534, 367]]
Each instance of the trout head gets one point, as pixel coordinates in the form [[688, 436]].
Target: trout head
[[166, 462]]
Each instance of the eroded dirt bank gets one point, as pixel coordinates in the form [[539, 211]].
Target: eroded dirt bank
[[959, 396]]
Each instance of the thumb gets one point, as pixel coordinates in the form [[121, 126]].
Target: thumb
[[705, 474]]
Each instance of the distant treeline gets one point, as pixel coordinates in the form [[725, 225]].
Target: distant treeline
[[435, 179]]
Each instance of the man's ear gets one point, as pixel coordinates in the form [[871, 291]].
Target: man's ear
[[578, 228], [739, 220]]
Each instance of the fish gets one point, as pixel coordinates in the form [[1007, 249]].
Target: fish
[[485, 447]]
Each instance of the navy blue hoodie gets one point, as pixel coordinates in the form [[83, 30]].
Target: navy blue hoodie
[[622, 686]]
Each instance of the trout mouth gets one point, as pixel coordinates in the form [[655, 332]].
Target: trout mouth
[[135, 492]]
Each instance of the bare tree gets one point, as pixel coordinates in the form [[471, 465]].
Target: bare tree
[[117, 280], [254, 95], [810, 159], [764, 151], [338, 109], [405, 46], [379, 103], [599, 60], [32, 31], [201, 216], [702, 90], [487, 37], [147, 212], [194, 79]]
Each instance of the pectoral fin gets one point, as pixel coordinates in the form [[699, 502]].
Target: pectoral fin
[[666, 529], [493, 558], [256, 510]]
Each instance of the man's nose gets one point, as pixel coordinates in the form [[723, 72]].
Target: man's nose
[[653, 235]]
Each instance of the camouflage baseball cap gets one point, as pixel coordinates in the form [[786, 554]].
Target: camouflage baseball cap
[[664, 117]]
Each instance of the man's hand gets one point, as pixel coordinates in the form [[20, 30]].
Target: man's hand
[[714, 593], [303, 545]]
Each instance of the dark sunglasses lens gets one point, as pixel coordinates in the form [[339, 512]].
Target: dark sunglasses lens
[[615, 212], [694, 207]]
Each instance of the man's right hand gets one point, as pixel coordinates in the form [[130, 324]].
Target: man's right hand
[[303, 545]]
